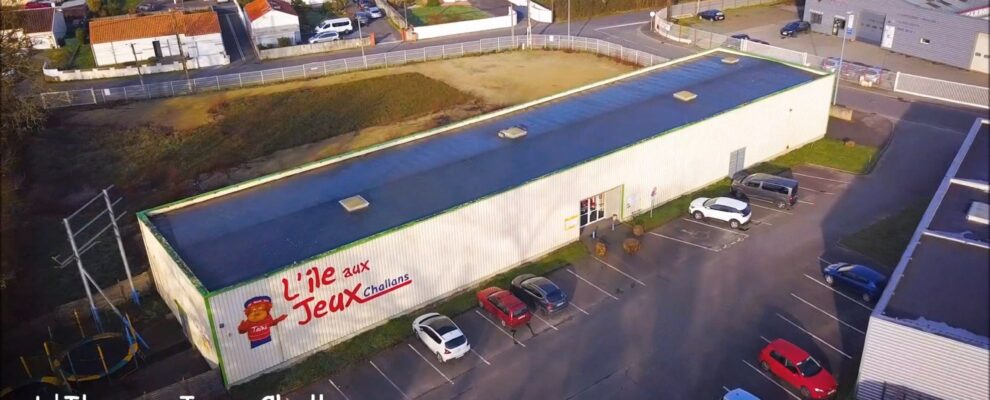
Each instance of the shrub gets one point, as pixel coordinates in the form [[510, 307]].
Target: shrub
[[81, 35], [433, 3], [284, 42]]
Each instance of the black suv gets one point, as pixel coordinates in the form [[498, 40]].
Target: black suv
[[783, 192], [792, 29], [539, 293]]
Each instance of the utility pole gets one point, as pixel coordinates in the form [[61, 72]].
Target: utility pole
[[361, 38], [529, 25], [182, 54], [842, 52], [140, 75], [569, 19]]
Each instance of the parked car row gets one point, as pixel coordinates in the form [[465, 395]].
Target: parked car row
[[513, 308]]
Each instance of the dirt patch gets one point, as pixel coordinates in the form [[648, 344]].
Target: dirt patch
[[498, 79]]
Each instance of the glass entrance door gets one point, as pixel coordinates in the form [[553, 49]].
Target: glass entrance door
[[592, 209]]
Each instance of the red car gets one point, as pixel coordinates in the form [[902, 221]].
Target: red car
[[796, 367], [508, 308]]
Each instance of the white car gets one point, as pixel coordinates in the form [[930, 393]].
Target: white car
[[441, 336], [733, 211], [328, 36], [739, 394], [340, 25], [375, 12]]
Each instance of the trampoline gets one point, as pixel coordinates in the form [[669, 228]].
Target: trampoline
[[97, 356]]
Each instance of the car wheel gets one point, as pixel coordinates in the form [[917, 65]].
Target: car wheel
[[734, 224], [829, 280], [763, 364], [867, 298], [698, 215], [781, 205], [805, 393]]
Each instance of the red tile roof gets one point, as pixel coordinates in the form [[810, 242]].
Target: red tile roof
[[258, 8], [103, 30], [33, 20]]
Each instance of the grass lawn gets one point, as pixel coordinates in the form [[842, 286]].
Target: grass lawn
[[362, 347], [825, 152], [886, 239], [61, 58], [421, 16]]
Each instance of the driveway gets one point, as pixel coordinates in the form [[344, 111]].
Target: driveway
[[687, 315]]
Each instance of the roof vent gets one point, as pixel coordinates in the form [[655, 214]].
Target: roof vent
[[354, 203], [514, 132], [685, 96], [979, 213], [730, 60]]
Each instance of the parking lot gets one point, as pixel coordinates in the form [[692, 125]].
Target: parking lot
[[687, 315]]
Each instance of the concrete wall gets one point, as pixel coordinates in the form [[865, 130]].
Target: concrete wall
[[940, 368], [204, 50], [536, 11], [441, 255], [951, 38], [477, 25], [302, 49], [111, 72]]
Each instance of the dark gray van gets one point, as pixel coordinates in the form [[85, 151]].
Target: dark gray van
[[783, 192]]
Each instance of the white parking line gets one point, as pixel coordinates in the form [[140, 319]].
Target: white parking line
[[389, 380], [762, 222], [479, 356], [824, 260], [685, 242], [805, 202], [592, 284], [839, 293], [726, 389], [818, 190], [431, 364], [621, 25], [545, 322], [338, 390], [824, 179], [826, 313], [499, 328], [771, 209], [771, 380], [716, 227], [765, 339], [619, 271], [813, 335], [579, 308]]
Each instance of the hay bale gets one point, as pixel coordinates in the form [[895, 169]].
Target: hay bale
[[638, 230], [600, 248], [631, 245]]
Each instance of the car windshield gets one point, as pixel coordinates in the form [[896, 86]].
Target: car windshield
[[809, 367], [709, 202], [455, 342]]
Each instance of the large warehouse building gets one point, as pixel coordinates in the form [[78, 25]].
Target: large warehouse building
[[952, 32], [928, 335], [264, 273]]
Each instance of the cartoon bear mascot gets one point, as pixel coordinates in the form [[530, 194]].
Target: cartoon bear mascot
[[259, 322]]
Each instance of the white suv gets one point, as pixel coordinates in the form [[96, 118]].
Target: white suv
[[733, 211], [441, 336]]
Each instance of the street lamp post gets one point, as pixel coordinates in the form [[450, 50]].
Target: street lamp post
[[361, 41], [842, 52], [529, 25], [568, 18]]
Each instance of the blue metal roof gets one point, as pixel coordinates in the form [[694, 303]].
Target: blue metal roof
[[247, 234]]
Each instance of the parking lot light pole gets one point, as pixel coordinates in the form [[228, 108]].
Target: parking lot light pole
[[361, 38], [842, 52], [569, 19]]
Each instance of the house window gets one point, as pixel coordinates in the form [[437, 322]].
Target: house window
[[925, 41], [816, 17]]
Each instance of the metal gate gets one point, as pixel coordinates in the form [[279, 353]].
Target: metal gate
[[870, 27]]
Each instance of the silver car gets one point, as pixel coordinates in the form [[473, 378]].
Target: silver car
[[324, 37], [375, 12]]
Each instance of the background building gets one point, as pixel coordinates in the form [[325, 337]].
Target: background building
[[269, 271], [952, 32], [927, 337], [45, 27], [129, 38], [272, 20]]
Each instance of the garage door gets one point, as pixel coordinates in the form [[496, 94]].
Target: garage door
[[870, 27]]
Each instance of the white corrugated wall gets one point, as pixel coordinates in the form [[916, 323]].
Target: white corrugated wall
[[903, 362], [456, 249], [176, 289]]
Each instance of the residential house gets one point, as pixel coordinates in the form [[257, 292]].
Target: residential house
[[160, 37], [271, 20], [44, 26]]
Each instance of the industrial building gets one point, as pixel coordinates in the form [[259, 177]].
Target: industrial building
[[928, 335], [952, 32], [266, 272]]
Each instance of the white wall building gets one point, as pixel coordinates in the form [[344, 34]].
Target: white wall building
[[271, 20], [124, 39], [45, 27], [264, 273]]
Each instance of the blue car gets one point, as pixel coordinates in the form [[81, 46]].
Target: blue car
[[712, 15], [864, 281], [792, 29]]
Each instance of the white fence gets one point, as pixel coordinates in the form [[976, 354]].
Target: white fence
[[474, 25], [318, 69], [861, 74], [301, 49]]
